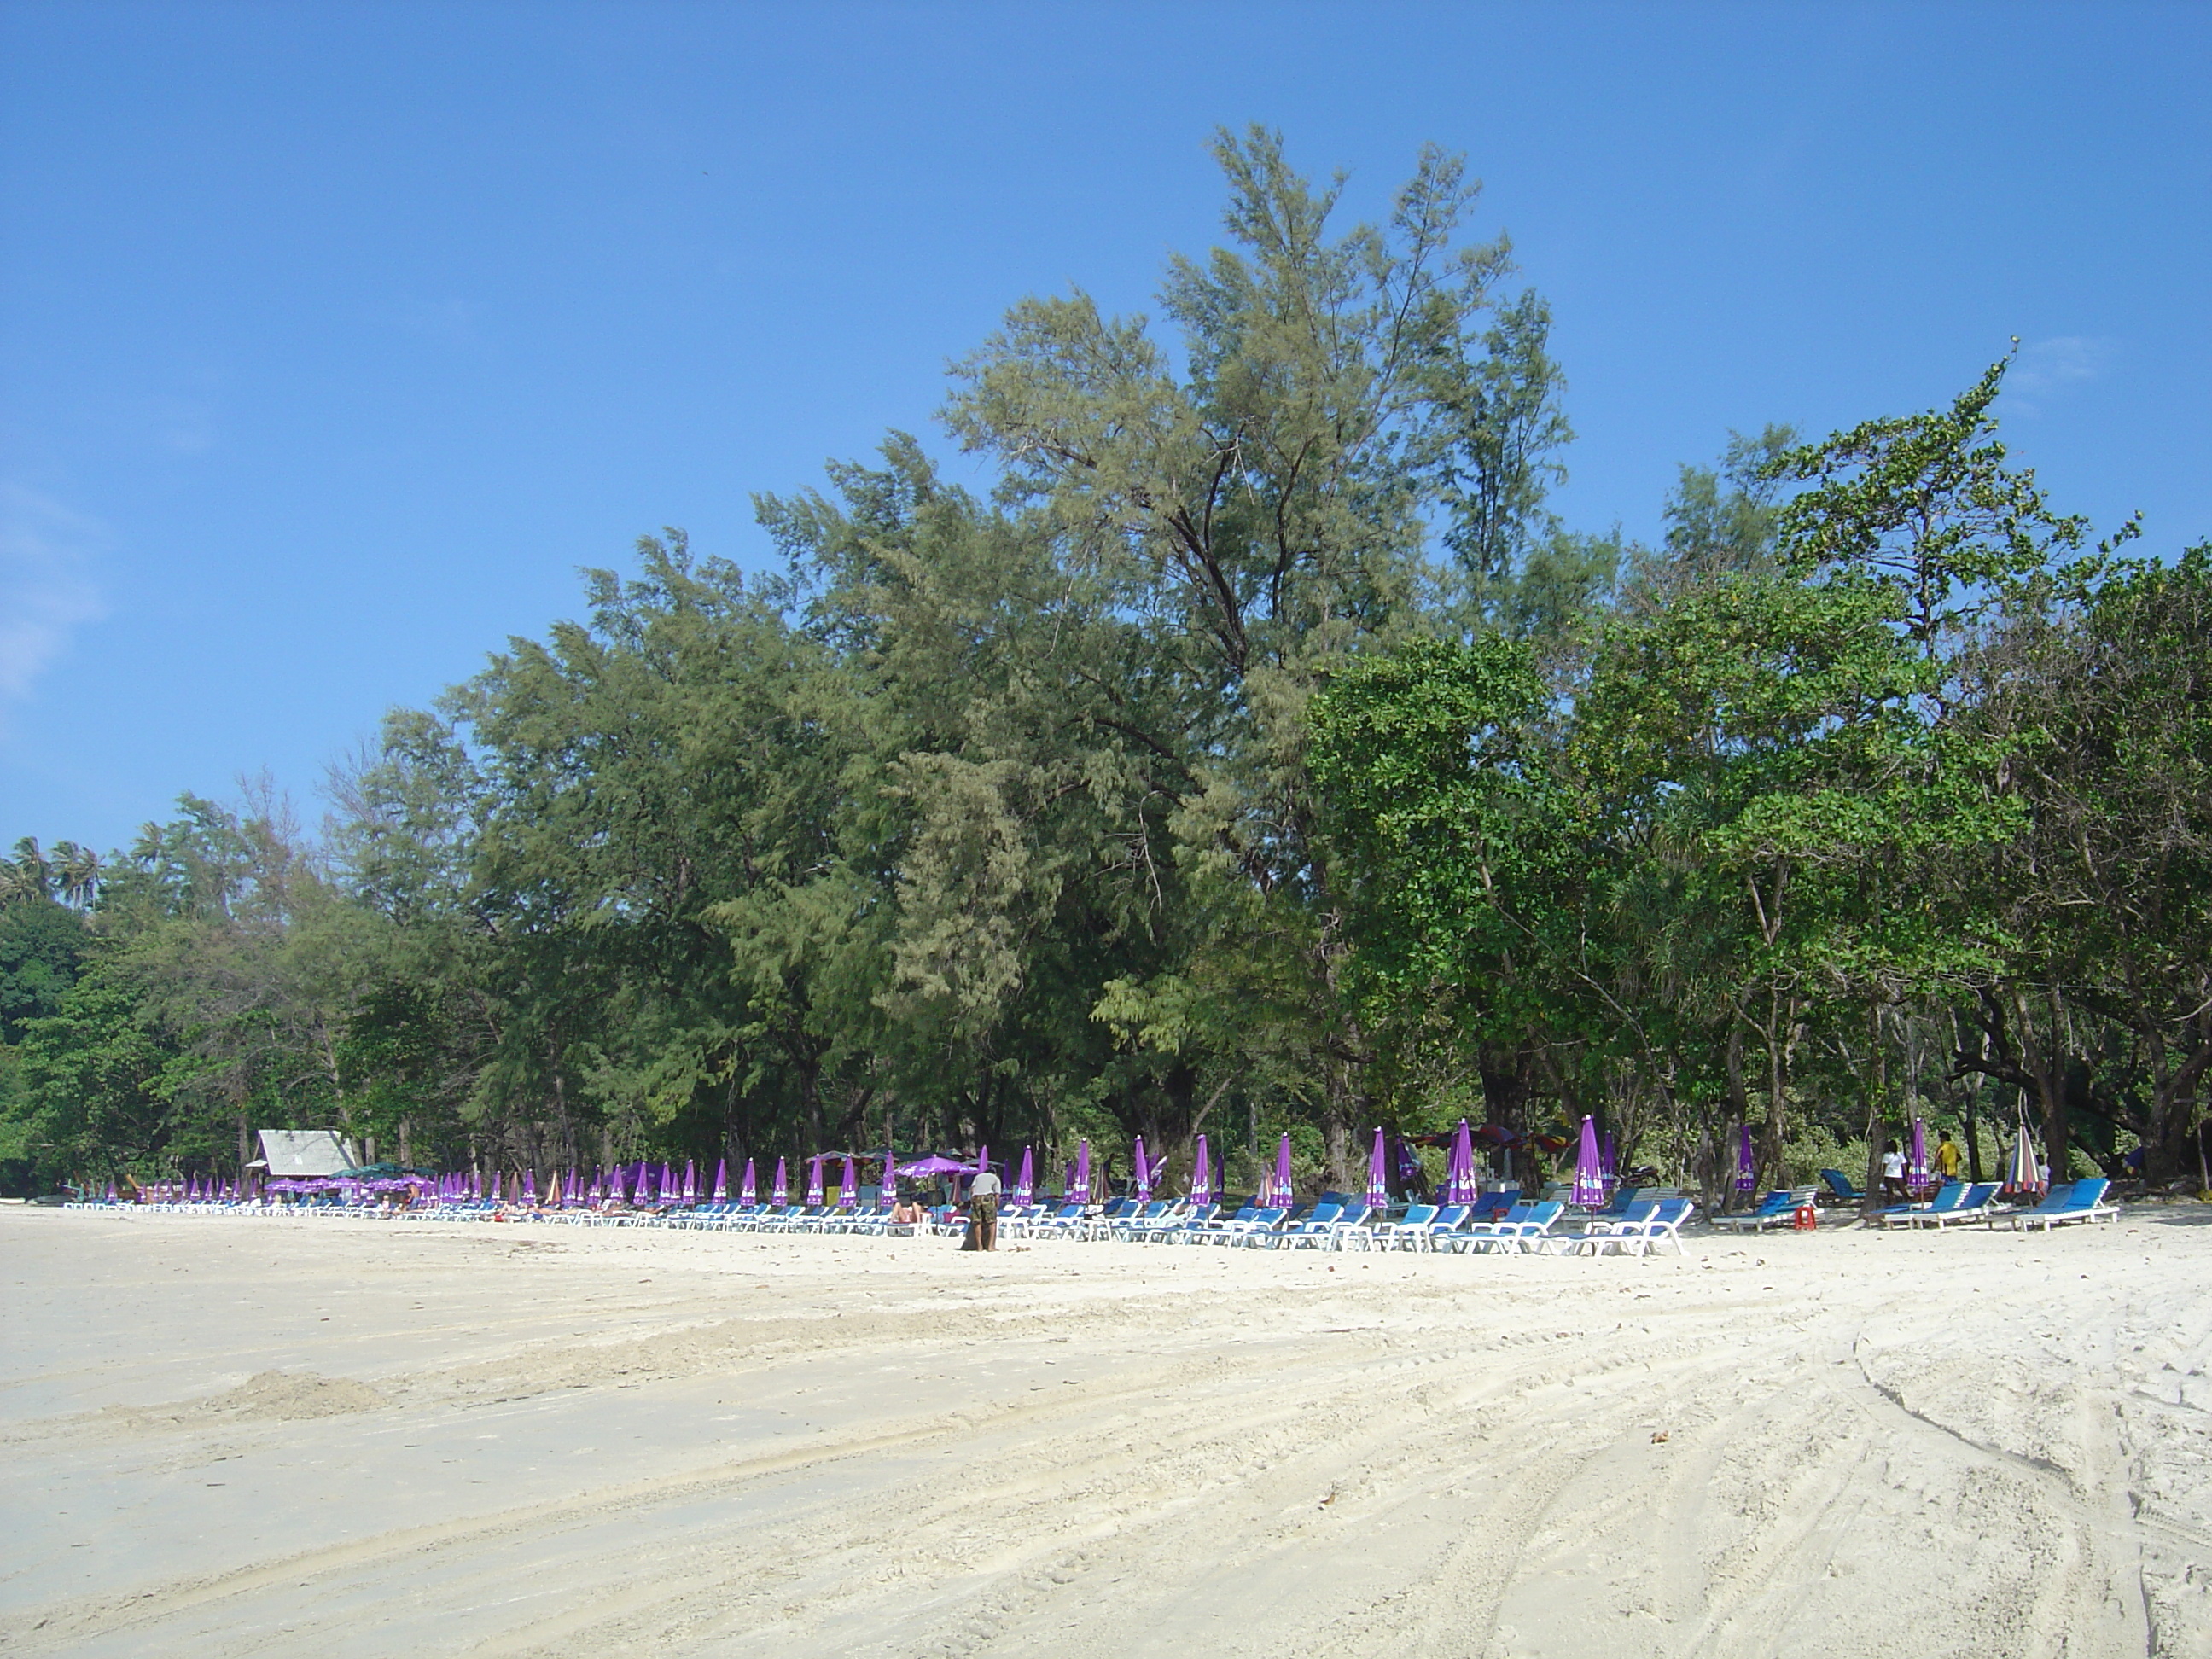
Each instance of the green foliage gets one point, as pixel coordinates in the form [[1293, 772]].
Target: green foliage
[[1259, 753]]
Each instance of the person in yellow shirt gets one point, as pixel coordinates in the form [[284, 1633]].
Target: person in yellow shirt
[[1946, 1159]]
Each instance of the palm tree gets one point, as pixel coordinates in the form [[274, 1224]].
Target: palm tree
[[33, 875], [77, 869]]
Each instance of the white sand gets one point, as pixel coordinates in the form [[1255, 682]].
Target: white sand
[[332, 1438]]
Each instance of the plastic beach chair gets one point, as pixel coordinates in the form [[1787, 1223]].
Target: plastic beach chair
[[1317, 1227], [1603, 1232], [1974, 1204], [1642, 1238], [1948, 1197], [1840, 1188], [1777, 1209], [1445, 1227], [1414, 1224], [1262, 1222], [2079, 1200]]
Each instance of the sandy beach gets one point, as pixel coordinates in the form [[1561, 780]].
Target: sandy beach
[[244, 1436]]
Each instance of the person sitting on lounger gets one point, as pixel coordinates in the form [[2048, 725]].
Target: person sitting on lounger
[[1892, 1173]]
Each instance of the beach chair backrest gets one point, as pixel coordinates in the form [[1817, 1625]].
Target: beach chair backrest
[[1451, 1216], [1673, 1210], [1519, 1212], [2060, 1197], [1546, 1212], [1419, 1215], [1979, 1194], [2087, 1194], [1271, 1218], [1840, 1184], [1949, 1196], [1245, 1212], [1325, 1213]]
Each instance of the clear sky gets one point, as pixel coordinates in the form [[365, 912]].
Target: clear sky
[[334, 338]]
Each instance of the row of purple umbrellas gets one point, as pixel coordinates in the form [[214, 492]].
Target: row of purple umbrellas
[[641, 1183]]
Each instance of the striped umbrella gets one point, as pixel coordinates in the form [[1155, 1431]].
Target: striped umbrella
[[748, 1189], [1201, 1175], [1747, 1165], [1144, 1182], [1589, 1169], [2022, 1173], [1378, 1174], [780, 1195], [1025, 1187]]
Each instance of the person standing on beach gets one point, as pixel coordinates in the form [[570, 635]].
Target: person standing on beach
[[1946, 1157], [984, 1211], [1892, 1173]]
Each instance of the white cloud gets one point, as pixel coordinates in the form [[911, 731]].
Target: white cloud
[[2044, 366], [46, 592]]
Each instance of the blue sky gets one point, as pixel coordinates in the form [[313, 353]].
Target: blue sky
[[334, 338]]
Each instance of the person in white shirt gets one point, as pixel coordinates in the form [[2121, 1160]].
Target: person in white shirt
[[1892, 1173], [982, 1212]]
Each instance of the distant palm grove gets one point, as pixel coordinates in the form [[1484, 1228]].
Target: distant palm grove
[[1261, 753]]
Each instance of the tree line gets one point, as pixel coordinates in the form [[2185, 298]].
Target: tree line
[[1259, 752]]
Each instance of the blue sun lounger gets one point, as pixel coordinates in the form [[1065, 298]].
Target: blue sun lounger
[[1976, 1204], [1948, 1197], [2079, 1200]]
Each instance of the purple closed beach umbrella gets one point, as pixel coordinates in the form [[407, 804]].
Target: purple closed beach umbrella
[[781, 1194], [887, 1192], [1078, 1190], [530, 1188], [748, 1189], [1144, 1182], [814, 1183], [1589, 1169], [1746, 1162], [1378, 1174], [1282, 1196], [669, 1190], [721, 1180], [1915, 1165], [1025, 1187], [1201, 1175], [1459, 1171], [690, 1181], [848, 1190], [616, 1188]]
